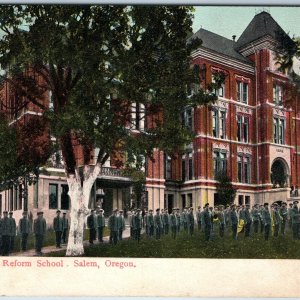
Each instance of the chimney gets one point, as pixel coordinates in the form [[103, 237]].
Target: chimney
[[233, 37]]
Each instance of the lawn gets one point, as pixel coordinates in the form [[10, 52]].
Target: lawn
[[186, 246]]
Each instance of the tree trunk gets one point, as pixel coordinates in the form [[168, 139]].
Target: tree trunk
[[79, 195]]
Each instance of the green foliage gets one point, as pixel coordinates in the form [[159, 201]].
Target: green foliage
[[94, 57], [226, 191]]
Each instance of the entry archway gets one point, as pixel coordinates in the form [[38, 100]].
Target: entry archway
[[279, 173]]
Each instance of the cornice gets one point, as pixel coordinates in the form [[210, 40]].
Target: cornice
[[223, 59]]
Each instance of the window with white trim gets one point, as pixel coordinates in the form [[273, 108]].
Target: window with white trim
[[278, 130], [187, 167], [220, 92], [187, 118], [243, 128], [244, 170], [219, 161], [138, 116], [242, 91], [277, 94], [219, 123], [168, 167]]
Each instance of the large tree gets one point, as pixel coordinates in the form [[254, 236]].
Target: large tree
[[101, 64]]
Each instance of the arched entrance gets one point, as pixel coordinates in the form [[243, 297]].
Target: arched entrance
[[279, 173]]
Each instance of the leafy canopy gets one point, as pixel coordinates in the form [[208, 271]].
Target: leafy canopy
[[101, 63]]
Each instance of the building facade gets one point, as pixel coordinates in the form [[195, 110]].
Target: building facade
[[250, 132]]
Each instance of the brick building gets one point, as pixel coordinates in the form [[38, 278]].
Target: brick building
[[250, 132]]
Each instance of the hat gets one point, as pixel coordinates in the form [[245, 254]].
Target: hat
[[101, 210], [64, 213], [266, 204], [39, 213], [5, 212], [10, 212], [295, 202], [207, 204], [157, 209], [24, 213], [58, 211], [152, 209], [121, 211]]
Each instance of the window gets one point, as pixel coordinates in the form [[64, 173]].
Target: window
[[243, 128], [190, 165], [247, 199], [193, 89], [183, 168], [53, 196], [244, 171], [138, 116], [218, 92], [190, 200], [64, 196], [0, 204], [183, 201], [278, 125], [242, 91], [187, 118], [219, 123], [219, 160], [241, 199], [167, 167], [277, 94]]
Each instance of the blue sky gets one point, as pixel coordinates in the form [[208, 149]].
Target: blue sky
[[232, 20]]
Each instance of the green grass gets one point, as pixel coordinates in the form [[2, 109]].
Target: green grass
[[186, 246], [48, 241]]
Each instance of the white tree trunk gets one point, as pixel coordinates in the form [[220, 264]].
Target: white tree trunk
[[79, 195]]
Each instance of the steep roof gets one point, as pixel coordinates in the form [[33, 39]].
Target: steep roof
[[261, 25], [219, 44]]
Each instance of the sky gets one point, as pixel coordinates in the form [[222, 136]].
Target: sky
[[232, 20]]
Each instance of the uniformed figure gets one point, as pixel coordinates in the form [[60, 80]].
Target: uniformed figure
[[191, 221], [248, 220], [91, 224], [113, 226], [121, 224], [137, 225], [184, 218], [284, 217], [150, 223], [262, 225], [178, 220], [198, 217], [24, 230], [162, 230], [58, 228], [65, 222], [212, 213], [166, 221], [207, 221], [222, 221], [173, 223], [13, 231], [158, 224], [290, 215], [227, 216], [255, 217], [39, 229], [132, 226], [130, 222], [6, 231], [100, 225], [234, 221], [146, 222], [276, 219], [266, 216], [295, 215]]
